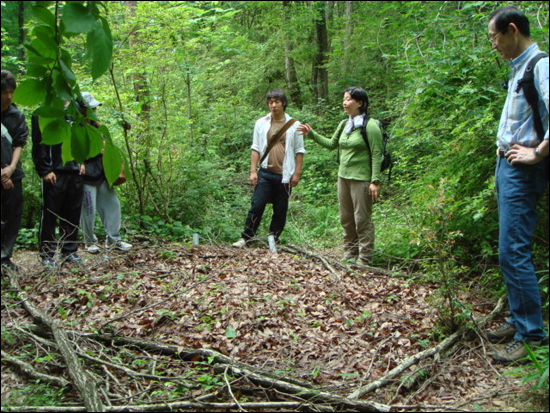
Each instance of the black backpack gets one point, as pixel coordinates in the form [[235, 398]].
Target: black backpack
[[387, 162], [527, 83]]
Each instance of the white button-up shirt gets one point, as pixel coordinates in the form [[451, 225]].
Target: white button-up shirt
[[294, 144]]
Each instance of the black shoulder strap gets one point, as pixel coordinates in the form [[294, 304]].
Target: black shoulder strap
[[527, 83], [364, 132]]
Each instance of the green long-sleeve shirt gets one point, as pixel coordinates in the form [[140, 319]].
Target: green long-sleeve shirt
[[356, 161]]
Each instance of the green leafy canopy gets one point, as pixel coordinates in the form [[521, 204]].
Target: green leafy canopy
[[51, 80]]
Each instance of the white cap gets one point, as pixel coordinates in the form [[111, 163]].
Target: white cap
[[90, 101]]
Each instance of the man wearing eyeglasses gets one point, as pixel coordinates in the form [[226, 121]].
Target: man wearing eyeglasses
[[521, 179]]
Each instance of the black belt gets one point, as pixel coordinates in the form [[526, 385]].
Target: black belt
[[501, 153]]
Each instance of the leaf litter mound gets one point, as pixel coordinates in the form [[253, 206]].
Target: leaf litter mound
[[283, 313]]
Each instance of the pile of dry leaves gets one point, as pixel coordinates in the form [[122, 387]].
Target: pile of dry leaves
[[189, 329]]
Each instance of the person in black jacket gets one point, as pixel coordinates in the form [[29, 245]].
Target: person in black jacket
[[62, 190], [14, 137]]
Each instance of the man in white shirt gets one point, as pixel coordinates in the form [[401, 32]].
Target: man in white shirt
[[280, 159]]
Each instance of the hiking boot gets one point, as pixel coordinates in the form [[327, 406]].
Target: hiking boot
[[241, 243], [502, 333], [515, 350]]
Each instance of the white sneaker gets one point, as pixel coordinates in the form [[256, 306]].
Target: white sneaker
[[92, 249], [119, 245], [241, 243]]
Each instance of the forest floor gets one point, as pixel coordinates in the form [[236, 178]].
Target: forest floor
[[333, 329]]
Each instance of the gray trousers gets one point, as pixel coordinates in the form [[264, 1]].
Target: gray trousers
[[355, 206], [102, 198]]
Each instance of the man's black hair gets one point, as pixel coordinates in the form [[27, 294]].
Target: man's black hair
[[277, 94], [509, 14], [359, 95], [8, 81]]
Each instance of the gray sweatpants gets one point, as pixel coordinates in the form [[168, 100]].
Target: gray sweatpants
[[102, 198]]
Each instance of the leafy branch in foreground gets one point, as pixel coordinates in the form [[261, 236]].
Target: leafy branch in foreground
[[52, 84]]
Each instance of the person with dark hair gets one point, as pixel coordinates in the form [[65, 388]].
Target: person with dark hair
[[359, 172], [503, 17], [14, 137], [521, 179], [62, 190], [279, 150]]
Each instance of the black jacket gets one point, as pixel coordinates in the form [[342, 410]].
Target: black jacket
[[14, 121], [48, 158]]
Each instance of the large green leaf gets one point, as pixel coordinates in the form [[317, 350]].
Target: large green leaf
[[45, 49], [55, 132], [100, 47], [44, 15], [77, 18], [96, 141], [112, 162], [30, 92], [80, 143]]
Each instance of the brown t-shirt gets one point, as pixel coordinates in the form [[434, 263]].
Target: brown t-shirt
[[276, 156]]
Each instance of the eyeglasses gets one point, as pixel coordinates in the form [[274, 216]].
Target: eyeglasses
[[492, 37]]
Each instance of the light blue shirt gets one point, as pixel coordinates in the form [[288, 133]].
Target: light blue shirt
[[516, 123]]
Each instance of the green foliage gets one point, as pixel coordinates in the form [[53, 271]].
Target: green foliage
[[537, 370], [52, 81]]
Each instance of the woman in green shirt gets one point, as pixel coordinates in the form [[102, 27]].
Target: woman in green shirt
[[358, 175]]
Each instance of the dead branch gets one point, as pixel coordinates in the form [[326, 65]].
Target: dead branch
[[330, 264], [238, 369], [183, 406], [30, 371], [410, 361], [81, 378]]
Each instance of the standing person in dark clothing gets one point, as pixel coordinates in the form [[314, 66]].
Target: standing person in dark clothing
[[62, 190], [14, 137]]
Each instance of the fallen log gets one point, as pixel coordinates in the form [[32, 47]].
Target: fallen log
[[81, 379]]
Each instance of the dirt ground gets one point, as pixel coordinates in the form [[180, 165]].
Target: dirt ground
[[288, 314]]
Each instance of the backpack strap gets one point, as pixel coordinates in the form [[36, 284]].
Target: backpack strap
[[527, 83]]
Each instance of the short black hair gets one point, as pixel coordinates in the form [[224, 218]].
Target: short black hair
[[509, 14], [277, 94], [8, 81], [360, 95]]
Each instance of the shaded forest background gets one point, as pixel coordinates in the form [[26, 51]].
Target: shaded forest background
[[190, 77]]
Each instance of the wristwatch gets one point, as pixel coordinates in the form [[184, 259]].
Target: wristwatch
[[538, 155], [376, 182]]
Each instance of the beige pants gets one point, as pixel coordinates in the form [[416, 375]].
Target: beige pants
[[356, 218]]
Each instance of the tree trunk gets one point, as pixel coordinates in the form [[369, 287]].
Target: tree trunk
[[320, 73], [21, 22], [290, 69], [347, 38]]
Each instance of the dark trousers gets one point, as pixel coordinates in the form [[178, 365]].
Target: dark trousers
[[269, 189], [61, 203], [12, 209]]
